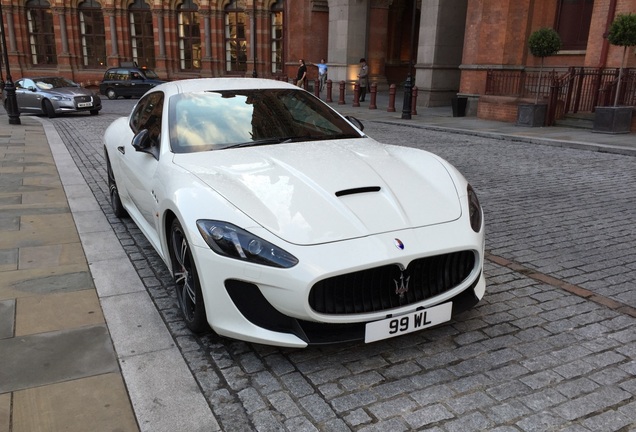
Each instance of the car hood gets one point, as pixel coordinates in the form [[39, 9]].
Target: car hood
[[70, 91], [326, 191]]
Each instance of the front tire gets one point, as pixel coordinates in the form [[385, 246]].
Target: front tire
[[186, 280], [47, 107]]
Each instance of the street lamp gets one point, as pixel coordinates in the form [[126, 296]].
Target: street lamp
[[408, 84], [11, 103]]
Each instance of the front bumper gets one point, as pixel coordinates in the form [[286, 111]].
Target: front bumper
[[75, 105], [271, 306], [256, 309]]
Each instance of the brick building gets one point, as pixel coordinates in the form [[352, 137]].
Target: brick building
[[496, 40], [79, 39], [448, 45]]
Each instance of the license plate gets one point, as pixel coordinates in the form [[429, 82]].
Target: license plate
[[399, 325], [84, 104]]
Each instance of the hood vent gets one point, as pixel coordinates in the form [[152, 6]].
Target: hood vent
[[358, 190]]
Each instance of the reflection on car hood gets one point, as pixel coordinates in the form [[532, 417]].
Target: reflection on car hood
[[69, 91], [325, 191]]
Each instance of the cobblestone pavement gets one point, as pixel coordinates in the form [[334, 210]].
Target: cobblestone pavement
[[551, 347]]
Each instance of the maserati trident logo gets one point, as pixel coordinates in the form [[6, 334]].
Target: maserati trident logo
[[402, 285], [398, 244]]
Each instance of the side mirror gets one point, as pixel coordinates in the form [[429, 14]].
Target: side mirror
[[143, 143], [357, 123]]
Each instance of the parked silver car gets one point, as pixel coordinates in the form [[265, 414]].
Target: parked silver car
[[52, 96]]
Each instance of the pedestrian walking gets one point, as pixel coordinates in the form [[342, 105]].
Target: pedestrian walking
[[302, 73], [322, 73], [363, 79]]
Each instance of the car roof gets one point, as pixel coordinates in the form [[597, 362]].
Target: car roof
[[202, 84], [45, 77]]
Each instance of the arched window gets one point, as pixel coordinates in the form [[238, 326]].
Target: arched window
[[91, 20], [189, 36], [277, 37], [235, 42], [142, 39], [573, 23], [41, 33]]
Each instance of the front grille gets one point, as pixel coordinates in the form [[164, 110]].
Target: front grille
[[80, 99], [388, 287]]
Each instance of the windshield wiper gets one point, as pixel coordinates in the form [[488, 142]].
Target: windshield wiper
[[288, 139], [332, 137], [264, 141]]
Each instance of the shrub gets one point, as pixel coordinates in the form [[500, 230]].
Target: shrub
[[543, 43], [622, 32]]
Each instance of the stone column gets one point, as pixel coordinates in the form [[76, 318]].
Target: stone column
[[206, 58], [113, 55], [439, 53], [161, 63], [64, 58], [348, 38]]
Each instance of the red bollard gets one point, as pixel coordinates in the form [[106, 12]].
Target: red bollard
[[356, 95], [391, 107], [414, 101], [374, 92], [317, 88], [329, 84], [341, 101]]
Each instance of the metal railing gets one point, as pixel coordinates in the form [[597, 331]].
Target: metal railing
[[576, 90]]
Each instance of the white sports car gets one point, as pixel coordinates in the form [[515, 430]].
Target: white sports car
[[284, 224]]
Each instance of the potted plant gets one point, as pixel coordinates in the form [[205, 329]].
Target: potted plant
[[542, 43], [618, 119]]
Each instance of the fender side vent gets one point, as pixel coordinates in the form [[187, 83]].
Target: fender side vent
[[358, 190]]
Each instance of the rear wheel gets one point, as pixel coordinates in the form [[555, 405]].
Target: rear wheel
[[111, 94], [115, 202], [47, 107], [186, 280]]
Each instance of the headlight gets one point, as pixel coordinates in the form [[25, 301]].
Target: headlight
[[474, 209], [233, 242], [60, 98]]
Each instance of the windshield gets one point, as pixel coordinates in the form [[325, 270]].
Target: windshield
[[216, 120], [150, 74], [54, 82]]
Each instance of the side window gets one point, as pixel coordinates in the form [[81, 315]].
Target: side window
[[122, 75], [147, 115], [27, 83], [135, 118]]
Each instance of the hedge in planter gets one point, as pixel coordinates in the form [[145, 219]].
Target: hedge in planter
[[617, 119], [542, 43]]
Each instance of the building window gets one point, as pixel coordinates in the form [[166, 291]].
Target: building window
[[235, 42], [573, 23], [41, 33], [91, 20], [189, 36], [142, 39], [277, 37]]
